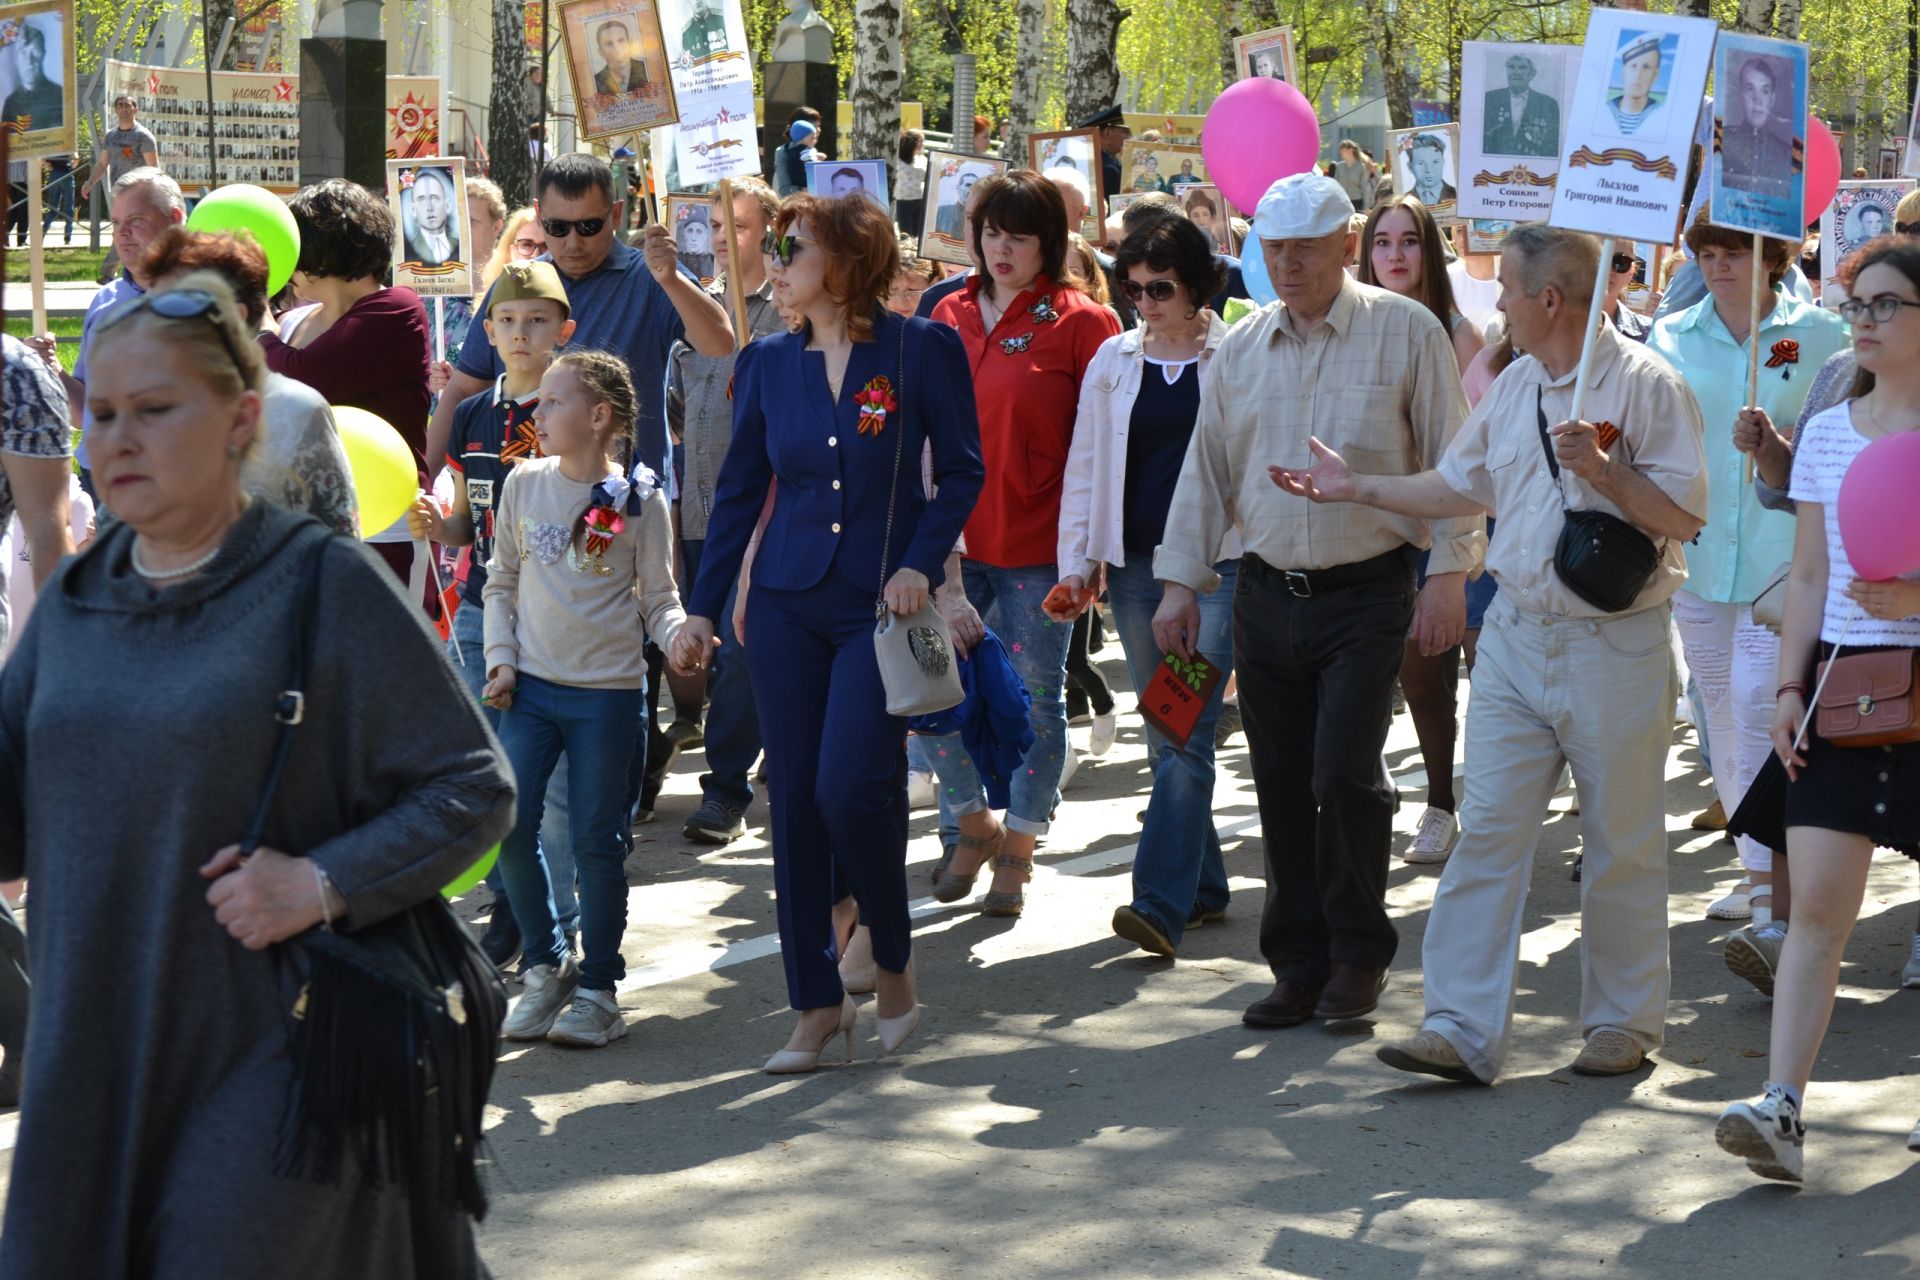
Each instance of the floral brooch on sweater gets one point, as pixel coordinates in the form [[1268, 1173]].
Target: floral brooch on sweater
[[876, 402], [611, 501]]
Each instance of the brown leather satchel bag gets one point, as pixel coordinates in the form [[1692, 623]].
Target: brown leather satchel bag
[[1868, 699]]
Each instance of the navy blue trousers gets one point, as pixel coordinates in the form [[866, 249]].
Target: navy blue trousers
[[836, 779]]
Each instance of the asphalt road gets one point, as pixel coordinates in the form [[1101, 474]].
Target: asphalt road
[[1074, 1108]]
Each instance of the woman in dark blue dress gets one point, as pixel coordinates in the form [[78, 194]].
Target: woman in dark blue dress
[[820, 410]]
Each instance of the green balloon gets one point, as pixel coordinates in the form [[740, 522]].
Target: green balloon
[[245, 209], [473, 875]]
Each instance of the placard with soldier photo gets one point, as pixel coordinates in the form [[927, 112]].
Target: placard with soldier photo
[[1266, 55], [616, 52], [1513, 111], [430, 227], [1207, 209], [1861, 211], [690, 219], [1426, 166], [1757, 165], [849, 178], [1623, 160], [37, 78], [951, 176], [1157, 166], [1076, 151]]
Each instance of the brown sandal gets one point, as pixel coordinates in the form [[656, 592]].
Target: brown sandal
[[952, 884], [1008, 905]]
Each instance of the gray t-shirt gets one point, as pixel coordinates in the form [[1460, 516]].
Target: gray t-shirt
[[127, 149]]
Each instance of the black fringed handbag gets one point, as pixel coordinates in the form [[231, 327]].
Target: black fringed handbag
[[393, 1029]]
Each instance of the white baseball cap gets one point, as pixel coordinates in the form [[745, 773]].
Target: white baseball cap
[[1302, 206]]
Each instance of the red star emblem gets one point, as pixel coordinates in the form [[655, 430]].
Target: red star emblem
[[283, 92]]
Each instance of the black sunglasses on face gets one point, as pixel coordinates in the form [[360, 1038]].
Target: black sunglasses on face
[[1624, 262], [181, 304], [561, 228], [1907, 228], [1158, 290], [783, 248]]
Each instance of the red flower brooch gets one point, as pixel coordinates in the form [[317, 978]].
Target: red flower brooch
[[876, 402], [1785, 351], [603, 525]]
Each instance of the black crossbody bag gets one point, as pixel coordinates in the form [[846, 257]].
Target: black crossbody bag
[[393, 1030], [1603, 559]]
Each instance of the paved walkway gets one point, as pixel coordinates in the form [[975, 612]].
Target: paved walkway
[[1073, 1108]]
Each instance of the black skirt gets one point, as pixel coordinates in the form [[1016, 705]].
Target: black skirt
[[1868, 791]]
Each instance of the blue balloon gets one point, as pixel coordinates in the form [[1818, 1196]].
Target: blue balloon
[[1253, 272]]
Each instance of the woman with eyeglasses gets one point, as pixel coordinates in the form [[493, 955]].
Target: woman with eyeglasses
[[1732, 657], [358, 342], [1138, 402], [831, 418], [153, 1150], [1401, 251], [1841, 801], [1029, 335]]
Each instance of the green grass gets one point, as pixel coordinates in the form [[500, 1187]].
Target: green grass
[[77, 263], [60, 326]]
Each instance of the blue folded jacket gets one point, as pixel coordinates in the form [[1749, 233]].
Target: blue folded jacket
[[992, 719]]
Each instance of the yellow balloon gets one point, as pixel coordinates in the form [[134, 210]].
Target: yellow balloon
[[384, 479]]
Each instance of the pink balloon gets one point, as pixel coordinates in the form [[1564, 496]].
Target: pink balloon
[[1823, 168], [1259, 131], [1879, 519]]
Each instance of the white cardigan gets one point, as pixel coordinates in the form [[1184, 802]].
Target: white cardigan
[[1095, 485]]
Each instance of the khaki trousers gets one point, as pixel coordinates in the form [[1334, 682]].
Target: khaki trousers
[[1597, 694]]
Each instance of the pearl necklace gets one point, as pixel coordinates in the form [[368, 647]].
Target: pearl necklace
[[163, 575]]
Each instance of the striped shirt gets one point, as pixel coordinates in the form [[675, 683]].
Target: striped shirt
[[1826, 447]]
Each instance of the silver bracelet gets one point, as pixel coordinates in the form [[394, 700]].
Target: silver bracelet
[[320, 883]]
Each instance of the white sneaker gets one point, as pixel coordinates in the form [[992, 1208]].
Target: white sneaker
[[1910, 976], [592, 1020], [1434, 837], [1070, 768], [1913, 1139], [1104, 730], [546, 990], [1766, 1134], [923, 790]]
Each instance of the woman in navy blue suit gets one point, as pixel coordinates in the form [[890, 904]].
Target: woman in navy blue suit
[[820, 410]]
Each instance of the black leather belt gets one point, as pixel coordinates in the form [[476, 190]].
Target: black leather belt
[[1308, 583]]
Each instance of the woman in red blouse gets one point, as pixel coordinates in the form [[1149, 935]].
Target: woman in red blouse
[[1029, 334], [358, 342]]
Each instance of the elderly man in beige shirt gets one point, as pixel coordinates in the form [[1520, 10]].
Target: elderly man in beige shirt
[[1324, 596], [1557, 679]]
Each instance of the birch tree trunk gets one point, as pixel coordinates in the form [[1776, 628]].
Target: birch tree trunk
[[1093, 64], [1756, 17], [876, 80], [510, 163], [1029, 79], [1786, 19], [1393, 69]]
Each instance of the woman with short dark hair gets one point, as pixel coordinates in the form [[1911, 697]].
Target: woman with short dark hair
[[837, 411], [357, 342], [910, 183], [153, 1150], [1138, 404], [1030, 336]]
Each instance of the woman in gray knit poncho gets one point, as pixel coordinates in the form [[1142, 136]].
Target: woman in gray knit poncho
[[136, 725]]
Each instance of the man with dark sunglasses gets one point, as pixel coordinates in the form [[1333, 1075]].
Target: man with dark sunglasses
[[634, 304]]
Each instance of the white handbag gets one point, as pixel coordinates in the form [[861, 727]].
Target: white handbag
[[914, 653]]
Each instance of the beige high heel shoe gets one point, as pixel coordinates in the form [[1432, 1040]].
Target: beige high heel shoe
[[895, 1031], [790, 1062]]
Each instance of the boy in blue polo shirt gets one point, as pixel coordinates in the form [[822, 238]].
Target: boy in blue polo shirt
[[527, 318]]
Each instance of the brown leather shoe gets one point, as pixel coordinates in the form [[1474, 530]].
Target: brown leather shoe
[[1609, 1053], [1352, 992], [1288, 1005]]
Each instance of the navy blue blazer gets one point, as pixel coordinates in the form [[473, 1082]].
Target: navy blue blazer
[[830, 508]]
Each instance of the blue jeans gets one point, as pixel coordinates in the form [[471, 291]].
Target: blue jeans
[[733, 721], [594, 727], [1009, 603], [1178, 866], [468, 642], [920, 760]]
